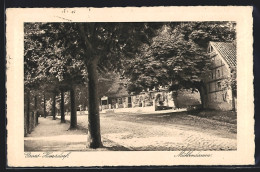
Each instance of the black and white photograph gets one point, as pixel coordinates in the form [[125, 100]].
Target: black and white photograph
[[130, 86], [145, 86]]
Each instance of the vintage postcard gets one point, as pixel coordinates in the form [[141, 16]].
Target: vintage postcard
[[130, 86]]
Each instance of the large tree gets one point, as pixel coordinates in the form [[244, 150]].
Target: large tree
[[90, 47], [57, 67], [104, 45], [177, 57]]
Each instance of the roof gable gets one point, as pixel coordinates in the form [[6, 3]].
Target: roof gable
[[117, 89], [227, 50]]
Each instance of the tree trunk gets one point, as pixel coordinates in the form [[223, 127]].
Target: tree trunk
[[35, 110], [31, 121], [94, 136], [73, 113], [44, 106], [54, 106], [175, 99], [28, 113], [233, 102], [203, 97], [62, 116], [25, 114]]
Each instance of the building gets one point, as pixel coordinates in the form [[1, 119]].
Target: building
[[218, 95], [119, 98], [149, 100]]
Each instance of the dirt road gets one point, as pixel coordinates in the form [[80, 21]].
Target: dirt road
[[137, 132]]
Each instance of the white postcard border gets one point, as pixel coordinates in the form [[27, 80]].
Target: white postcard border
[[15, 101]]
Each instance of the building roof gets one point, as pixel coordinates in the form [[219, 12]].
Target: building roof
[[227, 50], [117, 89], [120, 92]]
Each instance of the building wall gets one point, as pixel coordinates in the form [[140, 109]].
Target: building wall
[[218, 97], [144, 99], [184, 99]]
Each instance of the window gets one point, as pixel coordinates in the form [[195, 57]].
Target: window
[[212, 75], [104, 102], [218, 73], [219, 85]]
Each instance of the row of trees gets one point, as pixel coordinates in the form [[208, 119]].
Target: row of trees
[[50, 99], [60, 56], [36, 104], [30, 113]]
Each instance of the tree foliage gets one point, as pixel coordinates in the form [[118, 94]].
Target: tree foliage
[[48, 59], [61, 54], [177, 56]]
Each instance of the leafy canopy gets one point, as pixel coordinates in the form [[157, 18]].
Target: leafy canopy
[[177, 56], [58, 53]]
